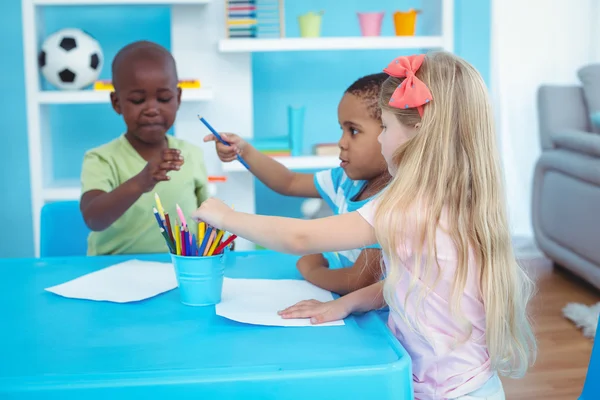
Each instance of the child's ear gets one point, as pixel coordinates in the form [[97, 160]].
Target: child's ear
[[178, 96], [114, 100]]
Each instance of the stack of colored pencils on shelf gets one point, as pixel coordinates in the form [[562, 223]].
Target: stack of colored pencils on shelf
[[182, 242]]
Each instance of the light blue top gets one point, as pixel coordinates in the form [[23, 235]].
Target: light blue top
[[338, 190], [57, 348]]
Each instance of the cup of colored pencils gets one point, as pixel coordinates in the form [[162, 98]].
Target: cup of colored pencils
[[199, 260]]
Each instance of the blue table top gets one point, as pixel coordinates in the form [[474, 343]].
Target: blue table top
[[55, 346]]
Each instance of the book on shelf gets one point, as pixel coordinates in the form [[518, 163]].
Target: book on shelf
[[274, 147], [106, 84], [327, 149]]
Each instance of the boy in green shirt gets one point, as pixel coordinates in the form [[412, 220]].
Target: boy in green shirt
[[119, 179]]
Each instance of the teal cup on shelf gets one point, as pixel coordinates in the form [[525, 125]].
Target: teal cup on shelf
[[296, 129], [200, 279]]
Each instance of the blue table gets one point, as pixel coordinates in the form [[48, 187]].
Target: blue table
[[58, 348]]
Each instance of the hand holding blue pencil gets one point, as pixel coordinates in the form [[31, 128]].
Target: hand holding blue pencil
[[220, 139]]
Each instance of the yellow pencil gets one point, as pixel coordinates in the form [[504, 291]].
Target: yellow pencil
[[159, 206], [215, 243], [178, 240], [210, 241], [201, 232]]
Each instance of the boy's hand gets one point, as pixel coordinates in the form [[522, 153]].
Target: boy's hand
[[213, 212], [156, 170], [308, 264], [227, 153], [317, 312]]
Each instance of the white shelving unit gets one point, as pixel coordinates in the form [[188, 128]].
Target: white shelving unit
[[225, 70]]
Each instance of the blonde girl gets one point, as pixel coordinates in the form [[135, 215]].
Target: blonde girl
[[457, 296]]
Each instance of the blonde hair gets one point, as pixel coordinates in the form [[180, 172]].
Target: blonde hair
[[452, 165]]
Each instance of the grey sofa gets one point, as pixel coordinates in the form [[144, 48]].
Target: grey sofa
[[566, 185]]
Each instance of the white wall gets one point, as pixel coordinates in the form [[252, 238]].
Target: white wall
[[534, 42]]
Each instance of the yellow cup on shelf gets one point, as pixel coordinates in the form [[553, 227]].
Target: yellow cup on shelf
[[405, 22], [310, 24]]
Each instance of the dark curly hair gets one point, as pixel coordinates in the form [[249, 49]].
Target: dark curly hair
[[367, 88]]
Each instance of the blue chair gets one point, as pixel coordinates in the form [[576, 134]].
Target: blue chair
[[591, 387], [63, 232]]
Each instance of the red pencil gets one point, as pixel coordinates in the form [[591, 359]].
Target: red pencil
[[184, 245], [169, 230], [224, 244]]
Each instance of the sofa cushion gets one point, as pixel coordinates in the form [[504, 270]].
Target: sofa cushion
[[590, 80]]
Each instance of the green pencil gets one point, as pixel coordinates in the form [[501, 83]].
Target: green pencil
[[167, 239]]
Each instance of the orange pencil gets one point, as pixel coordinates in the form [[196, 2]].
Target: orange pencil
[[215, 243], [210, 240]]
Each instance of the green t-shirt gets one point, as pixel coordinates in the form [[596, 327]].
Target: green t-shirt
[[136, 231]]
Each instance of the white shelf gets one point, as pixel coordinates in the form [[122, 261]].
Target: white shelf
[[115, 2], [294, 163], [61, 194], [97, 96], [331, 43], [73, 192]]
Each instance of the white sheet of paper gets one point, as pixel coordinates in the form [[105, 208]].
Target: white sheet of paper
[[128, 281], [256, 301]]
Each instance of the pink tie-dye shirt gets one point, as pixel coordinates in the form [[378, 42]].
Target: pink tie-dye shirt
[[445, 366]]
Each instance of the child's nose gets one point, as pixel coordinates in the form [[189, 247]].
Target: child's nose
[[343, 144], [151, 108]]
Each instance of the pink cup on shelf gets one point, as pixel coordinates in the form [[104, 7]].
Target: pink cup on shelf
[[370, 23]]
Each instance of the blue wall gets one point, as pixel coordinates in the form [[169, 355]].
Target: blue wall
[[280, 79]]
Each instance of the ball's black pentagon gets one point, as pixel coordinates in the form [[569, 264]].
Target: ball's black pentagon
[[68, 43], [42, 59], [66, 76], [94, 61]]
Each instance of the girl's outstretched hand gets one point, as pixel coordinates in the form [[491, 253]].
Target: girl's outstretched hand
[[317, 311], [213, 212], [227, 153]]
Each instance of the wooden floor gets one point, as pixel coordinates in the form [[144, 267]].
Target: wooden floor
[[563, 352]]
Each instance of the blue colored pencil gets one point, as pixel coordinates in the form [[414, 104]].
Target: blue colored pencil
[[194, 246], [158, 219], [205, 240], [220, 139], [188, 247]]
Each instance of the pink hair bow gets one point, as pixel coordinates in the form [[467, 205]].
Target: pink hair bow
[[412, 92]]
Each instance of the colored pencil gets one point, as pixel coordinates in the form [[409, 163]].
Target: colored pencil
[[184, 244], [201, 231], [159, 206], [188, 238], [210, 241], [167, 239], [205, 240], [177, 240], [194, 245], [224, 244], [220, 139], [215, 243], [168, 226], [157, 216], [181, 216]]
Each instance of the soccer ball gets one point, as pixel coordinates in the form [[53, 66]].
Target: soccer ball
[[70, 59]]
